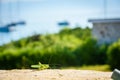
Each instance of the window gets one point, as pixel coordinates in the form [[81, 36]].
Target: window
[[102, 33]]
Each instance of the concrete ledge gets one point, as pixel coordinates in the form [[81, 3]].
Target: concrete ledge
[[116, 75]]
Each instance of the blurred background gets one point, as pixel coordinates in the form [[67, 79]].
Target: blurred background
[[47, 31], [43, 16]]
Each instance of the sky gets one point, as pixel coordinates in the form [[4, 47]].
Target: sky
[[75, 11], [42, 16]]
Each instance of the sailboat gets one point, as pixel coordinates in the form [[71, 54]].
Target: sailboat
[[9, 26], [64, 23]]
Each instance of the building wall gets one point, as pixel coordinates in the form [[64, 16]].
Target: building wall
[[106, 32]]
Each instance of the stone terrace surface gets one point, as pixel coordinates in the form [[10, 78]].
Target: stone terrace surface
[[54, 74]]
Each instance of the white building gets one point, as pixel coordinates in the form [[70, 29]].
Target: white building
[[106, 30]]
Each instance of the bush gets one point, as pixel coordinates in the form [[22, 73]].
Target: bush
[[70, 47], [103, 53], [89, 53], [113, 54]]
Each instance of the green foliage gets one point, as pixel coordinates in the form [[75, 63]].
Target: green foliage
[[77, 32], [114, 55], [69, 47], [103, 53], [90, 53]]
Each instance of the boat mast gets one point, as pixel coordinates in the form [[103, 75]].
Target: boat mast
[[105, 9], [18, 9], [0, 12]]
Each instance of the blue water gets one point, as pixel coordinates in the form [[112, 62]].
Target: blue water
[[25, 31]]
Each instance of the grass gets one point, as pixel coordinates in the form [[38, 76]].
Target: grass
[[91, 67]]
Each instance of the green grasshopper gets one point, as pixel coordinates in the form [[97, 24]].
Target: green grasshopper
[[40, 66]]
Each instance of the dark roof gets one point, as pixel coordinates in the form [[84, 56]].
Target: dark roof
[[104, 20]]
